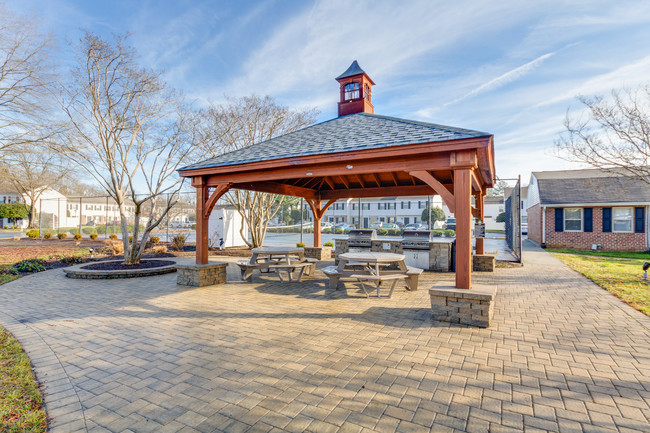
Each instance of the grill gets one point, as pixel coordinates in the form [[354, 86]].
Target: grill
[[361, 238], [416, 239]]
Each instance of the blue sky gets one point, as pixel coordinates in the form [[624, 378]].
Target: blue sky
[[511, 68]]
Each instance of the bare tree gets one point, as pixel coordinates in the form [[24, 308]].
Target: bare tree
[[31, 171], [611, 134], [129, 132], [26, 80], [240, 123]]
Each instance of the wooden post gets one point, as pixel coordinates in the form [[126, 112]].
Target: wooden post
[[463, 195], [202, 194], [316, 231], [480, 205]]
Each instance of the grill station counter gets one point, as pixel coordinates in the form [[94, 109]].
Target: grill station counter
[[420, 249]]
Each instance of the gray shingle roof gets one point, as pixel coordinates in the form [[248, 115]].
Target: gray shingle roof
[[353, 70], [591, 186], [343, 134]]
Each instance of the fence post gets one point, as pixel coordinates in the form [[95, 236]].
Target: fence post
[[40, 216], [106, 220], [80, 219]]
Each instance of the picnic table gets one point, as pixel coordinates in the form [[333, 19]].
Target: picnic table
[[372, 262], [277, 259]]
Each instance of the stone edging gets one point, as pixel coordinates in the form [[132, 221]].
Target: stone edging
[[79, 273], [48, 369]]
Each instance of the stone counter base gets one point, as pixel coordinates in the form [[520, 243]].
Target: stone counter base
[[473, 307], [483, 263], [201, 275]]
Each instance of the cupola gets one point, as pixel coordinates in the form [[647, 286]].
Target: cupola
[[356, 93]]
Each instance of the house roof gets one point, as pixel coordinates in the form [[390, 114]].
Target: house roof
[[591, 186], [358, 131]]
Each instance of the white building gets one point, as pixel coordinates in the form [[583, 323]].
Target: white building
[[225, 227], [363, 212]]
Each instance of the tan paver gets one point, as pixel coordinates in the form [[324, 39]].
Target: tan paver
[[148, 355]]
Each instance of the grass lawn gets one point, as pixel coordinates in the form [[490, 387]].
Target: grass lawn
[[618, 254], [21, 407], [621, 277]]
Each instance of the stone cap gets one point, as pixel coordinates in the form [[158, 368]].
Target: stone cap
[[481, 292], [201, 266]]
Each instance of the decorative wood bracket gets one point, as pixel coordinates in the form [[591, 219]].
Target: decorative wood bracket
[[438, 187], [218, 192], [317, 210]]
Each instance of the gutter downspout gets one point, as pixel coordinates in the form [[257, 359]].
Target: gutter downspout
[[543, 226]]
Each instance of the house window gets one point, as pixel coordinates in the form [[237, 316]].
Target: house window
[[351, 91], [623, 218], [573, 219]]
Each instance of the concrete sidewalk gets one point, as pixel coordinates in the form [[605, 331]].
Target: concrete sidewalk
[[146, 355]]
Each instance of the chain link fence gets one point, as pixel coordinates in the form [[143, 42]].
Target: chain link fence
[[513, 220]]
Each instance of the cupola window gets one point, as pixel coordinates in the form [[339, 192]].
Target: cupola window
[[351, 91], [366, 92]]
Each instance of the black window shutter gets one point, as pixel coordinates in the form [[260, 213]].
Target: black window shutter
[[589, 219], [559, 219], [639, 220], [607, 220]]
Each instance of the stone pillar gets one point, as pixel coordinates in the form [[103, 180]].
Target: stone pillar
[[199, 275], [474, 307]]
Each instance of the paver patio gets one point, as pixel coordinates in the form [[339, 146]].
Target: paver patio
[[149, 356]]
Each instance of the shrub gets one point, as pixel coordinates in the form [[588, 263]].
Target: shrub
[[437, 233], [77, 236], [61, 235], [450, 233], [159, 249], [338, 231], [394, 232], [93, 236], [113, 236], [47, 235], [382, 232], [116, 246], [347, 231], [29, 265], [328, 244], [178, 242], [70, 260], [33, 234], [300, 245], [327, 230], [154, 239]]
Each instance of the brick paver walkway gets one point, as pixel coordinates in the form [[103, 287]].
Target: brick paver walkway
[[148, 356]]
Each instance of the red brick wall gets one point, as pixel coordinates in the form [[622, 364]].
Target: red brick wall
[[535, 223], [584, 241]]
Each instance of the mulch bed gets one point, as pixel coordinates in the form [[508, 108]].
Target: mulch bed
[[119, 266]]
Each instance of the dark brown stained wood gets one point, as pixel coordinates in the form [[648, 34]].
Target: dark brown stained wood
[[376, 177], [395, 181], [344, 182]]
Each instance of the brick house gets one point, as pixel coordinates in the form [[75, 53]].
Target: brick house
[[588, 209]]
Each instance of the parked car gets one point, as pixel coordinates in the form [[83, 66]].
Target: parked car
[[415, 226], [343, 226], [377, 225], [389, 226], [326, 225], [450, 224]]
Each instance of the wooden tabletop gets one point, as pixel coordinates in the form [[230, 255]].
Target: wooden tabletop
[[372, 257], [277, 250]]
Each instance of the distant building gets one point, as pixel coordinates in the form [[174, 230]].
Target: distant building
[[588, 209]]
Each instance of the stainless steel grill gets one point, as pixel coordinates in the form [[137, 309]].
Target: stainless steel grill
[[361, 238], [416, 239]]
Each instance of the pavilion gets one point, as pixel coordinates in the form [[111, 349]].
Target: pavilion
[[358, 154]]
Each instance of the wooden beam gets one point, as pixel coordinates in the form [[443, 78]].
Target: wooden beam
[[377, 180], [344, 182], [418, 190], [202, 197], [360, 181], [277, 188], [394, 176], [430, 162], [438, 187], [329, 182]]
